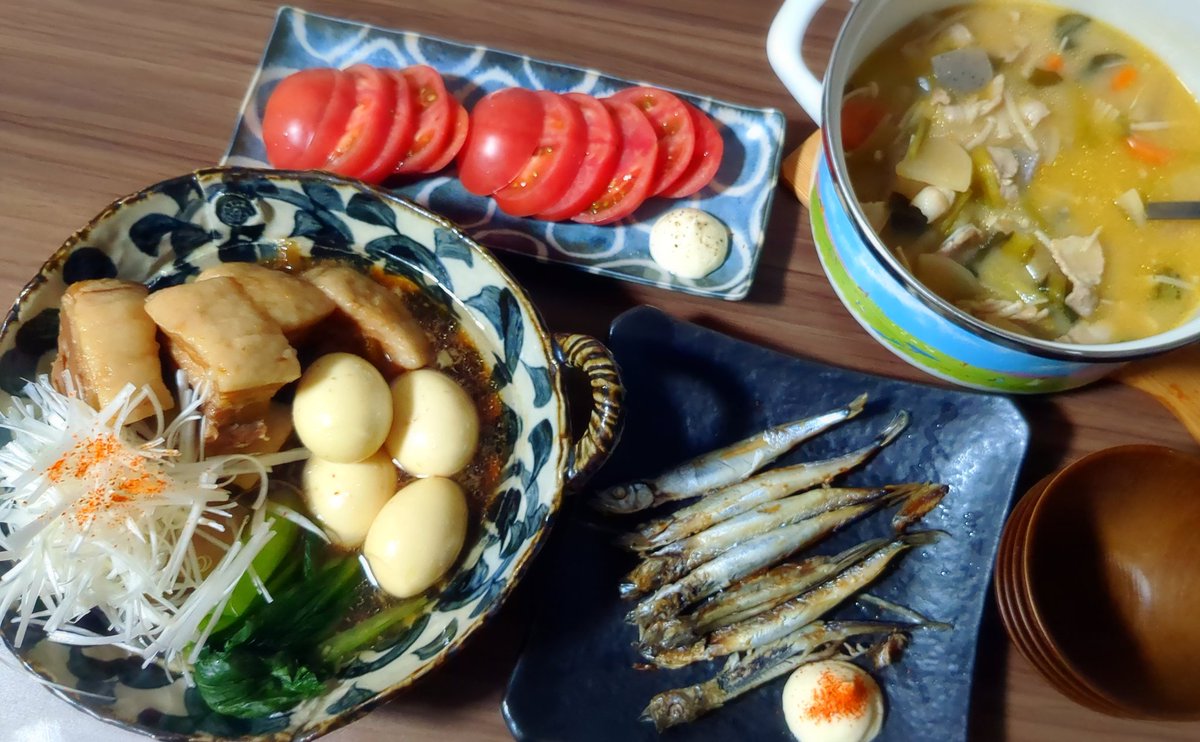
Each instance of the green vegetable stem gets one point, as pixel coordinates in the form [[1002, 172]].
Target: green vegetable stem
[[342, 647], [264, 565], [266, 661]]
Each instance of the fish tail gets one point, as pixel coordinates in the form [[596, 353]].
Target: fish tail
[[892, 430], [918, 620], [911, 492], [897, 492], [917, 504], [856, 554], [856, 405], [923, 538]]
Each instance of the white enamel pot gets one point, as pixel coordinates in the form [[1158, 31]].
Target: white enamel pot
[[887, 301]]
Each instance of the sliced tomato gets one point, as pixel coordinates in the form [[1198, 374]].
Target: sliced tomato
[[505, 128], [436, 121], [603, 150], [672, 124], [370, 122], [305, 116], [555, 161], [706, 159], [635, 171], [462, 124], [400, 136]]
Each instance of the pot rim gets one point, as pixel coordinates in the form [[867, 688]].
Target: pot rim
[[834, 161]]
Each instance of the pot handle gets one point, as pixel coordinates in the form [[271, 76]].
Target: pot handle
[[589, 356], [784, 43]]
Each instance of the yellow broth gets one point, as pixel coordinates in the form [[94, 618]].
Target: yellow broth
[[1116, 120]]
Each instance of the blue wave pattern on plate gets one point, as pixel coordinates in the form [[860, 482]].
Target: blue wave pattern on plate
[[740, 195]]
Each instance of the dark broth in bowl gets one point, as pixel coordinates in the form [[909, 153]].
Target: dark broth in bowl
[[1005, 153]]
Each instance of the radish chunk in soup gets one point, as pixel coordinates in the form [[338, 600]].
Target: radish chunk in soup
[[1006, 153]]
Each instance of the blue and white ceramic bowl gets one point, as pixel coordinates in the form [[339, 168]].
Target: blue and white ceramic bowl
[[898, 311], [168, 233]]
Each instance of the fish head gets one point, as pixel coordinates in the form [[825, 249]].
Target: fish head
[[887, 650], [624, 498], [674, 632], [674, 707]]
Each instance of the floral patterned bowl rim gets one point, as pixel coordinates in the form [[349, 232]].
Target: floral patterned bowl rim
[[166, 233]]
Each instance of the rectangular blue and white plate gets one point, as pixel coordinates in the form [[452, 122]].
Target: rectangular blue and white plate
[[689, 390], [740, 194]]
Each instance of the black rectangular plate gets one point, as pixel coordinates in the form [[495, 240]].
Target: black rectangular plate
[[691, 390]]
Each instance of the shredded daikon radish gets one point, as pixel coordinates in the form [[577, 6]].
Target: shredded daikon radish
[[102, 516]]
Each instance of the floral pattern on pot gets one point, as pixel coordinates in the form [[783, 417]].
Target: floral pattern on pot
[[168, 233], [740, 196]]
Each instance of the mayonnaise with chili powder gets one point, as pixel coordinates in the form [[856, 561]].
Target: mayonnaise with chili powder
[[832, 701]]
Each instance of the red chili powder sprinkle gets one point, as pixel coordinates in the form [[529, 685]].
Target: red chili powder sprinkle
[[142, 484], [113, 474], [836, 697], [94, 451]]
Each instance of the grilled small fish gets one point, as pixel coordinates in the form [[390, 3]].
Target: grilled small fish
[[814, 642], [734, 500], [723, 466], [795, 613], [750, 556], [760, 593], [675, 560]]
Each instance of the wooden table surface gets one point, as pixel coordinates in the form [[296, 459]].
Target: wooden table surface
[[98, 99]]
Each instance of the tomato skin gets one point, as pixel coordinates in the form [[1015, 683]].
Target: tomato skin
[[636, 169], [369, 123], [555, 162], [706, 159], [435, 123], [462, 124], [673, 126], [305, 116], [603, 150], [505, 129], [400, 135]]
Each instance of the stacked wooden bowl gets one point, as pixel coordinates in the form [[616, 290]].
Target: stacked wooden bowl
[[1098, 581]]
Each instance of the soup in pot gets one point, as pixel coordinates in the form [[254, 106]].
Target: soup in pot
[[1006, 153]]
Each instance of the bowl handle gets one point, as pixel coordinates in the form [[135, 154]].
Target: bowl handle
[[784, 43], [589, 356]]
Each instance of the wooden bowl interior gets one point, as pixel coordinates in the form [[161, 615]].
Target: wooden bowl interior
[[1113, 569]]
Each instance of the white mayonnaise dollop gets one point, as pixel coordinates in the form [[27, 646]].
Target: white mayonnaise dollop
[[689, 243], [832, 701]]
